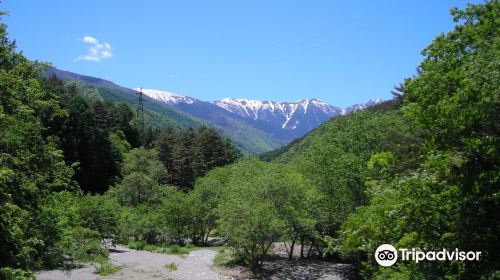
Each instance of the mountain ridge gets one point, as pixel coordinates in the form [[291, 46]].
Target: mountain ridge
[[289, 119], [254, 126]]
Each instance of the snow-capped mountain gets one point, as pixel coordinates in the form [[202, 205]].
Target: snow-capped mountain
[[287, 115], [254, 126], [284, 120], [167, 97], [362, 106]]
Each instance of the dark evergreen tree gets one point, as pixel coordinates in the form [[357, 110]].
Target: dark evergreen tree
[[186, 159], [216, 150], [165, 146], [188, 154], [149, 135], [127, 123]]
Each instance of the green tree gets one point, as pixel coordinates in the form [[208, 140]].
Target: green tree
[[176, 216], [99, 213], [141, 224], [336, 162], [206, 197], [187, 160], [143, 176], [165, 146], [31, 165], [188, 154], [215, 150], [451, 200], [128, 124], [455, 99], [264, 203]]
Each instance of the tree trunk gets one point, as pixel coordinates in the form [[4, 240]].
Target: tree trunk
[[310, 249], [290, 254], [208, 234], [302, 247]]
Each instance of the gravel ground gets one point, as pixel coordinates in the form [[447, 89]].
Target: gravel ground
[[139, 265], [84, 273], [197, 266], [282, 269], [307, 269]]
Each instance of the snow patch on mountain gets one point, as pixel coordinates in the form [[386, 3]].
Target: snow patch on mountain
[[284, 112], [302, 115], [362, 106], [167, 96]]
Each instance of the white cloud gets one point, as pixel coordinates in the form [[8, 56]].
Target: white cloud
[[97, 51], [89, 39]]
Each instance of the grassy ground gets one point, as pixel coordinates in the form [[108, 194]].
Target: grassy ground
[[104, 267], [171, 267], [224, 258]]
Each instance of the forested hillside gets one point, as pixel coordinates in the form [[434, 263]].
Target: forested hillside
[[248, 138], [61, 145], [423, 174], [420, 171], [155, 114]]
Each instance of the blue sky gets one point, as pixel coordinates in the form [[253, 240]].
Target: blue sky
[[343, 52]]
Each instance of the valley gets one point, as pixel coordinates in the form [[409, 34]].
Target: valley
[[254, 126], [101, 181]]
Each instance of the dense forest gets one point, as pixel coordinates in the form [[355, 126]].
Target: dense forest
[[419, 171]]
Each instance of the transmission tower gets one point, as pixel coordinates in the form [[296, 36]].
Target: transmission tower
[[140, 108]]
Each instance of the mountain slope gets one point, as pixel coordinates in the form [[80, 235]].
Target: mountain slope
[[254, 126], [245, 136], [335, 130], [113, 92], [362, 106], [295, 118], [283, 121]]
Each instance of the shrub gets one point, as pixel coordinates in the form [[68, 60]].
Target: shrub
[[8, 273], [171, 267], [137, 245], [82, 244], [104, 267], [176, 216], [99, 213], [141, 224]]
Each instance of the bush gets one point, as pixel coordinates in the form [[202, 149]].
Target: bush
[[141, 223], [104, 267], [224, 258], [248, 216], [171, 267], [99, 213], [176, 216], [137, 245], [143, 175], [175, 249], [8, 273], [82, 244], [65, 233]]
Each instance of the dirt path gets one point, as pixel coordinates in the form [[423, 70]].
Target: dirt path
[[197, 266], [138, 265]]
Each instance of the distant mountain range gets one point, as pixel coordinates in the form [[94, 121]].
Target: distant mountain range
[[254, 126], [286, 120]]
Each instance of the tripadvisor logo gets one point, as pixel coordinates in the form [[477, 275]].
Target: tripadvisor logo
[[387, 255]]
